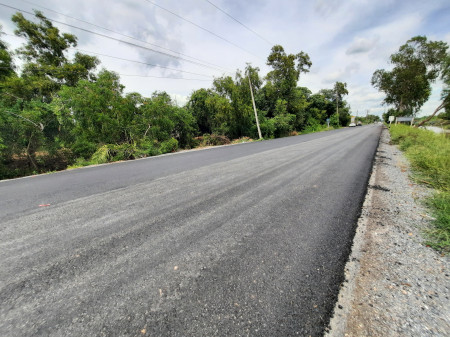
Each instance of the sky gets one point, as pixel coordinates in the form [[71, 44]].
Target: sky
[[180, 46]]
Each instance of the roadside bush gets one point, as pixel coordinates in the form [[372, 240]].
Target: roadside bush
[[212, 140], [101, 156], [313, 125], [113, 152], [170, 145], [83, 148], [334, 121], [147, 148]]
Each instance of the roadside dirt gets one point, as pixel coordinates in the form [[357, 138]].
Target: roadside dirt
[[395, 285]]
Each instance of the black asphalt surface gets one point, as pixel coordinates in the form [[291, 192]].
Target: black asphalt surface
[[244, 240]]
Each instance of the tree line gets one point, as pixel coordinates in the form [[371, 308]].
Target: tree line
[[59, 111]]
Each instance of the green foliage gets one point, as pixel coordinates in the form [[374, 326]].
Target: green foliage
[[429, 154], [102, 155], [113, 152], [313, 125], [340, 89], [93, 110], [417, 64], [334, 121], [170, 145], [201, 109], [282, 85], [344, 117], [6, 60], [439, 204], [83, 148], [47, 66], [267, 126], [286, 69], [369, 119], [283, 121]]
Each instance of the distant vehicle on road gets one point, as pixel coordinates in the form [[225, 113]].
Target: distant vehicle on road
[[352, 124], [359, 124]]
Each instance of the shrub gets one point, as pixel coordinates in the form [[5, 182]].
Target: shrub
[[83, 148], [113, 152], [170, 145], [101, 156], [212, 140]]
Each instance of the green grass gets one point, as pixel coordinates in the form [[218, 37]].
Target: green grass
[[429, 155], [439, 237]]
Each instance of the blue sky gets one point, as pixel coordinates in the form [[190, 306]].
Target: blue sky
[[346, 40]]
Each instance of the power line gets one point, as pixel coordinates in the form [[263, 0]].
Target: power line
[[166, 77], [52, 72], [121, 34], [246, 27], [123, 59], [144, 63], [113, 38], [202, 28]]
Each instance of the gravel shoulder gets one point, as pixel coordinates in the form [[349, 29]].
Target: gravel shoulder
[[395, 285]]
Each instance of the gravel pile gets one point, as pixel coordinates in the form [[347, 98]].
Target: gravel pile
[[396, 286]]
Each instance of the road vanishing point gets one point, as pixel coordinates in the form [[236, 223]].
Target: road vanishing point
[[242, 240]]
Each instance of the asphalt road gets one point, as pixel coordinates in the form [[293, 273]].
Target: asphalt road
[[232, 241]]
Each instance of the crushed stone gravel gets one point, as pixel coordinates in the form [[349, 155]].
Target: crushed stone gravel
[[395, 285]]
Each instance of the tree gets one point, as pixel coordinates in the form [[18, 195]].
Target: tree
[[286, 68], [6, 61], [92, 113], [201, 110], [417, 64], [340, 89], [445, 95], [240, 117], [282, 80], [47, 67]]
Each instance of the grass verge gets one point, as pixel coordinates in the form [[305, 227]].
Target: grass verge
[[429, 155]]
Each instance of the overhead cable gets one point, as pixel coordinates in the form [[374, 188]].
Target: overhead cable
[[121, 34], [202, 28], [51, 72], [124, 59], [239, 22], [115, 39]]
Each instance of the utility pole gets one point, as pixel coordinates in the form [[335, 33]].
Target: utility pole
[[254, 107], [337, 107]]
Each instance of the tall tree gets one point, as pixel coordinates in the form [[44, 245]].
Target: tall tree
[[46, 65], [282, 80], [340, 89], [417, 65]]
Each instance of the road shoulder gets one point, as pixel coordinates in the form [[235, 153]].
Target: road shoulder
[[395, 285]]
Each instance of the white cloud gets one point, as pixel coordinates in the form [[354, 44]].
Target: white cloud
[[362, 45]]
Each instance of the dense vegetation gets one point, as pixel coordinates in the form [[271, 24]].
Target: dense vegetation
[[59, 111], [429, 154]]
